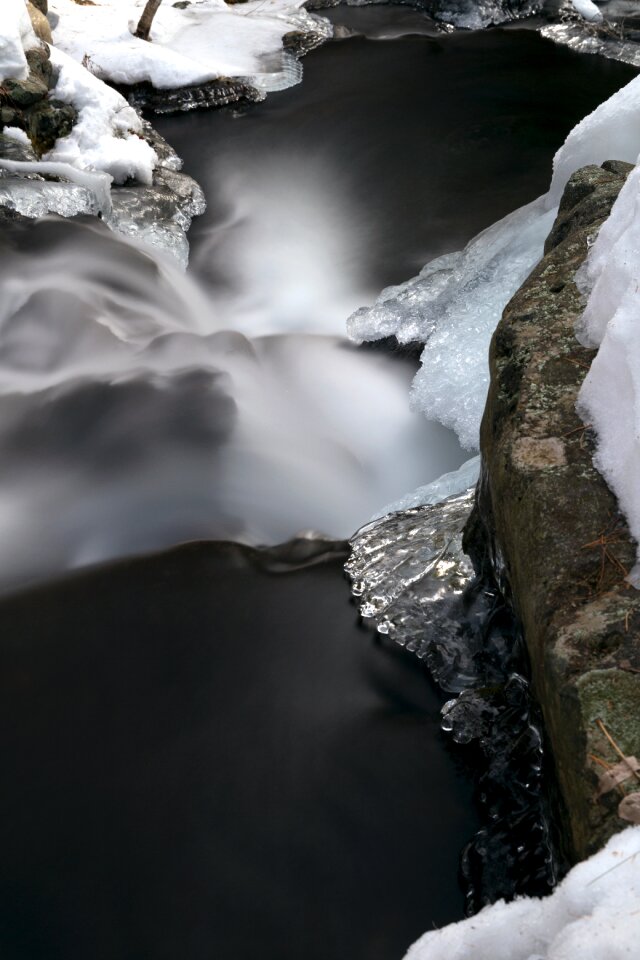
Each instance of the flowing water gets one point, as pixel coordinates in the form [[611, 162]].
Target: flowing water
[[204, 755]]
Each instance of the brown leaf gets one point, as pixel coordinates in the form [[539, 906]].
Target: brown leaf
[[617, 774]]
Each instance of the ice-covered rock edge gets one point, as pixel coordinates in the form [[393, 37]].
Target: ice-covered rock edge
[[454, 304]]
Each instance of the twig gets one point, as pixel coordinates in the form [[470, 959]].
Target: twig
[[617, 748], [614, 867]]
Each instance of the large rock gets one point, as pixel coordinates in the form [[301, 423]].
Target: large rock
[[549, 522], [39, 22]]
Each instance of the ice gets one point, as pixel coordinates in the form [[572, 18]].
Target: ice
[[594, 913], [612, 44], [448, 485], [413, 581], [455, 303], [476, 14], [409, 571], [453, 306], [610, 396], [16, 36], [96, 184], [190, 46], [588, 10]]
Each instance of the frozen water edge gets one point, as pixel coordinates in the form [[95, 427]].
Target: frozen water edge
[[158, 214], [414, 582]]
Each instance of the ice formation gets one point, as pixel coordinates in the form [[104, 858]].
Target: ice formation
[[476, 14], [588, 10], [594, 913], [610, 396], [448, 485], [191, 45], [16, 36], [456, 301], [413, 581]]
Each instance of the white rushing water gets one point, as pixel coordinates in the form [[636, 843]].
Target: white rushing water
[[134, 418]]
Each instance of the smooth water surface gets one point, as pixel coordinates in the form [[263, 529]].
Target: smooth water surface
[[205, 757]]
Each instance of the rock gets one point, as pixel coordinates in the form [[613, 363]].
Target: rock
[[39, 22], [24, 93], [49, 120], [215, 93], [40, 65], [546, 518]]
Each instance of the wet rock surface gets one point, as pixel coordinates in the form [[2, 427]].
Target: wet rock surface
[[26, 104], [547, 522]]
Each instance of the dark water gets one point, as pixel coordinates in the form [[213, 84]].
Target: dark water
[[420, 142], [204, 757]]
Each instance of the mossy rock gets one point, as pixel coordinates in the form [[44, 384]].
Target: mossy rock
[[24, 93], [546, 512], [48, 121]]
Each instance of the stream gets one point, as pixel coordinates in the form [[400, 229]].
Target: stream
[[205, 753]]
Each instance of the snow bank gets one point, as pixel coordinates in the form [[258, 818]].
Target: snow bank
[[610, 395], [453, 306], [594, 914], [202, 42], [16, 36], [106, 135]]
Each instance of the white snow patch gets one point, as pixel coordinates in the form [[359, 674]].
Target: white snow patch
[[16, 36], [454, 304], [202, 42], [594, 914], [610, 396]]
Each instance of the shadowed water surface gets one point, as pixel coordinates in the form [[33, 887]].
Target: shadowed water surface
[[204, 756]]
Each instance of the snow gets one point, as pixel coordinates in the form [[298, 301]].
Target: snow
[[588, 10], [202, 42], [594, 913], [106, 136], [16, 36], [610, 396], [455, 303]]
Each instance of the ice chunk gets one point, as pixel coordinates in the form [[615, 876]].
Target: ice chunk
[[97, 184], [588, 10], [594, 913], [448, 485], [476, 14], [16, 36]]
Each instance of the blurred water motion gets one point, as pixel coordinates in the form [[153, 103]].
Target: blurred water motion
[[131, 420]]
